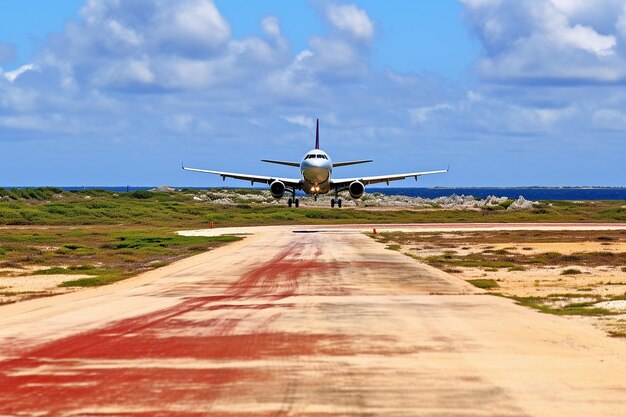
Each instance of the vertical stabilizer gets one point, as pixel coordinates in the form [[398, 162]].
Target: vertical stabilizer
[[317, 135]]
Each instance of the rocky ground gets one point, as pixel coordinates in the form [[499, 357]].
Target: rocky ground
[[233, 197]]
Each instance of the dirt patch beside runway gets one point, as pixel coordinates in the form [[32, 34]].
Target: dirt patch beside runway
[[577, 273]]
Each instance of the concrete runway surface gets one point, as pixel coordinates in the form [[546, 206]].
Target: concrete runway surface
[[302, 324]]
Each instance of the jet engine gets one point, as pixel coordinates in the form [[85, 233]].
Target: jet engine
[[356, 189], [277, 188]]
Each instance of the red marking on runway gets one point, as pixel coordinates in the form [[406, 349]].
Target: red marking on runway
[[76, 372]]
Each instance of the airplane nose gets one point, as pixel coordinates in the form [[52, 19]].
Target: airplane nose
[[315, 174]]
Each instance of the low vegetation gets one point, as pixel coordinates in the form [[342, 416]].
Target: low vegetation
[[51, 206], [483, 283], [488, 258], [516, 237], [545, 305], [571, 271]]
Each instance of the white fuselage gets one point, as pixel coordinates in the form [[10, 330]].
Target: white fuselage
[[316, 169]]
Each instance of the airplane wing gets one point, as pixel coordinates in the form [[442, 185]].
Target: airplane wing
[[343, 183], [343, 164], [291, 164], [290, 182]]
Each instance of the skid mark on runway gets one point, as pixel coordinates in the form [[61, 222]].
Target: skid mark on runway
[[177, 332]]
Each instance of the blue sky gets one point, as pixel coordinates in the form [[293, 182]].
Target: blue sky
[[120, 92]]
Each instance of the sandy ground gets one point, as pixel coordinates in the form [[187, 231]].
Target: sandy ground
[[542, 280], [307, 324], [36, 283], [547, 281], [20, 284]]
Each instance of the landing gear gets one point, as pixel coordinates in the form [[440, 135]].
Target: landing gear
[[337, 201], [293, 201]]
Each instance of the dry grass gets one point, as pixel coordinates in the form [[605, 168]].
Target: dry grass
[[489, 258]]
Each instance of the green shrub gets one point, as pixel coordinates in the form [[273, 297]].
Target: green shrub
[[142, 194], [483, 283], [506, 204]]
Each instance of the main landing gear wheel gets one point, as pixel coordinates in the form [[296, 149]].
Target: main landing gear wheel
[[332, 202], [297, 202], [289, 202], [339, 203]]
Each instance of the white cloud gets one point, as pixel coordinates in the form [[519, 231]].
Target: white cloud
[[123, 33], [124, 73], [54, 122], [420, 115], [609, 119], [337, 58], [185, 123], [271, 26], [350, 19], [11, 76], [620, 25], [551, 116], [401, 79], [200, 21], [144, 72], [155, 45], [557, 30], [474, 97], [300, 120], [548, 41]]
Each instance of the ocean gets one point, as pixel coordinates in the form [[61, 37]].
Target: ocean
[[529, 193]]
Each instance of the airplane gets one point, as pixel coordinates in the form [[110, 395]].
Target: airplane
[[316, 169]]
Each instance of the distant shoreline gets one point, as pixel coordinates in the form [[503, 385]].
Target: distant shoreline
[[534, 193], [148, 187]]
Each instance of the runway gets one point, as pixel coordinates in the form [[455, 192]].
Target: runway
[[301, 324]]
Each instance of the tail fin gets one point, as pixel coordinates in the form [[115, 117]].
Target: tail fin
[[317, 135]]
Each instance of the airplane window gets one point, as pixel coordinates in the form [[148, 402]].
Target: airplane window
[[320, 156]]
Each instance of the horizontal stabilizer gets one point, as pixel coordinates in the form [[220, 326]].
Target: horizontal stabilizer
[[291, 164], [342, 164]]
